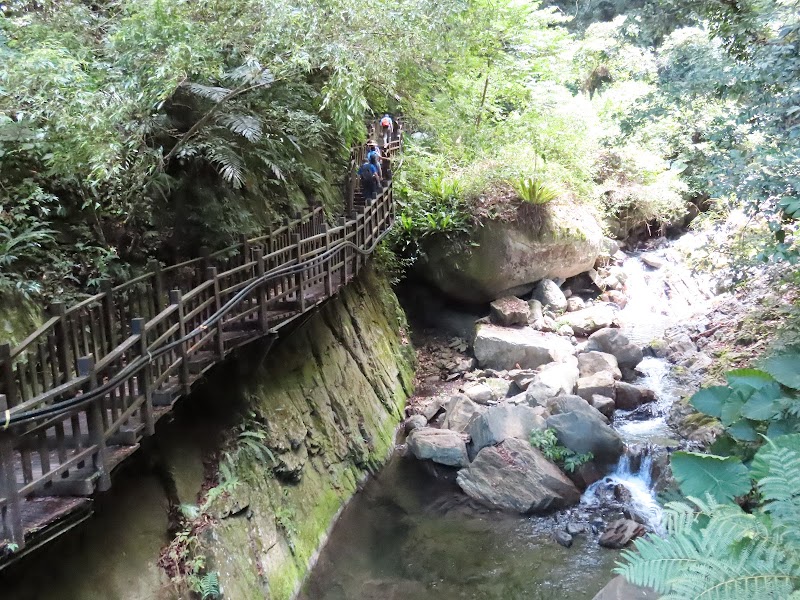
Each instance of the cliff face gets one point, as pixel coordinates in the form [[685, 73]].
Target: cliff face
[[322, 406], [329, 399]]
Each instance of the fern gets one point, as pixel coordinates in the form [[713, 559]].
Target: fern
[[209, 92], [247, 126], [228, 163], [209, 586], [717, 551]]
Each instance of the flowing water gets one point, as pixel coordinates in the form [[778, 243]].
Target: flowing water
[[410, 535]]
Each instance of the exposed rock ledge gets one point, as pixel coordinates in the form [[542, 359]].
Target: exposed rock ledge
[[511, 256]]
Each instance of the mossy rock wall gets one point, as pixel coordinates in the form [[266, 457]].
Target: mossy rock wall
[[18, 318], [331, 396]]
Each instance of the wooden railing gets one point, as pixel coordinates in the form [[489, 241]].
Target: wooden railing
[[80, 392]]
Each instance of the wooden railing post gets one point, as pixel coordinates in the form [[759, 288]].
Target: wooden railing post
[[328, 263], [7, 375], [12, 513], [245, 248], [58, 309], [95, 424], [158, 284], [211, 273], [298, 243], [109, 313], [145, 376], [175, 297], [261, 290]]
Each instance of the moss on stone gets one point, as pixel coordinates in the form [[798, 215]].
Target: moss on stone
[[18, 318], [329, 400]]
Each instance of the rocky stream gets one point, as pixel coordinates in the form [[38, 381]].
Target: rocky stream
[[467, 508]]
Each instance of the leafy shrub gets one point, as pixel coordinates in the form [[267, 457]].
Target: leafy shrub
[[547, 442]]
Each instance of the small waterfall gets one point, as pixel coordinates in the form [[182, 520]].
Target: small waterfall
[[634, 473]]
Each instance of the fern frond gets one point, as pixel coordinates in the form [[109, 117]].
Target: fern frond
[[247, 126], [209, 586], [228, 163], [209, 92]]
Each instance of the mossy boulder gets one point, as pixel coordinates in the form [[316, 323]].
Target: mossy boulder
[[19, 317], [507, 257]]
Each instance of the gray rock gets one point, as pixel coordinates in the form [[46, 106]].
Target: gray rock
[[501, 422], [612, 341], [515, 476], [509, 256], [499, 387], [460, 411], [565, 330], [575, 303], [620, 533], [568, 404], [548, 324], [415, 422], [604, 404], [464, 365], [428, 408], [522, 377], [601, 383], [480, 393], [563, 538], [537, 312], [652, 260], [584, 432], [552, 380], [587, 321], [526, 348], [619, 589], [631, 396], [439, 445], [509, 311], [576, 528], [550, 295], [593, 362]]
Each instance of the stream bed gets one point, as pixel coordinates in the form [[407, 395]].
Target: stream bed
[[414, 536]]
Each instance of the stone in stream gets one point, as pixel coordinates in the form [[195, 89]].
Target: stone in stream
[[620, 533], [652, 260], [501, 422], [555, 379], [460, 411], [575, 303], [601, 383], [515, 476], [563, 538], [604, 404], [613, 341], [519, 348], [439, 445], [630, 397], [509, 311], [587, 321], [569, 403], [593, 362], [550, 295], [619, 589], [583, 431]]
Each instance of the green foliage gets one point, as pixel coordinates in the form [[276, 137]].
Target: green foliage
[[208, 586], [534, 189], [721, 478], [717, 550], [248, 446], [546, 441]]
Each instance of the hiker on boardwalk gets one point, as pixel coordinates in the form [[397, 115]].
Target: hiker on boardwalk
[[387, 126], [374, 157], [368, 173]]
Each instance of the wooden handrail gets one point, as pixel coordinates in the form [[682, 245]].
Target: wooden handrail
[[70, 389]]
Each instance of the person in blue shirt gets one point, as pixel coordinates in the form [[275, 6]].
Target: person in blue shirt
[[368, 173], [374, 157]]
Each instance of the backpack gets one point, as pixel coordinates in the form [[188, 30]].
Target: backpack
[[386, 121], [365, 171]]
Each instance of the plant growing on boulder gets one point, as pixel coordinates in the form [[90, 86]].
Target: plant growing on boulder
[[547, 442], [533, 189]]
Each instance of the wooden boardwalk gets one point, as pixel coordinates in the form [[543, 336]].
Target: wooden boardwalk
[[79, 394]]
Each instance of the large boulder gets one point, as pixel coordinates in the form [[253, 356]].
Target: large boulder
[[568, 403], [583, 432], [602, 384], [630, 397], [508, 257], [439, 445], [550, 296], [593, 362], [619, 589], [509, 311], [515, 476], [480, 393], [504, 348], [460, 411], [613, 341], [502, 422], [587, 321], [555, 379]]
